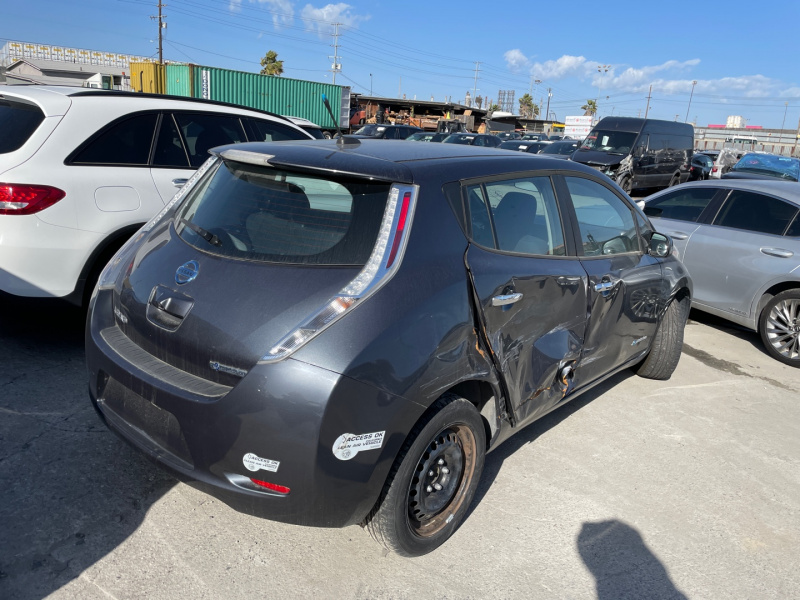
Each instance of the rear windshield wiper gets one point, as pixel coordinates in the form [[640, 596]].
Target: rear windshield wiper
[[206, 235]]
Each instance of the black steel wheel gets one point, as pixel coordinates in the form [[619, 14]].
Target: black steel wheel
[[433, 480], [779, 327]]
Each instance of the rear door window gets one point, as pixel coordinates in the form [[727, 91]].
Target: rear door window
[[517, 215], [18, 121], [170, 151], [125, 142], [269, 215], [756, 212], [682, 205], [203, 131]]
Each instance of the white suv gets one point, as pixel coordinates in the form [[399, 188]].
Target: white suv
[[81, 170]]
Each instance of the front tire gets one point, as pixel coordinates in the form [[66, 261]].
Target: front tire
[[779, 327], [676, 179], [665, 352], [433, 480], [626, 183]]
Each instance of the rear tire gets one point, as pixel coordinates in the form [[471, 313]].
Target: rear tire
[[779, 327], [665, 352], [446, 449], [676, 179]]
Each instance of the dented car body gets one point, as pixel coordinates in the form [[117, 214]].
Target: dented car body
[[331, 333]]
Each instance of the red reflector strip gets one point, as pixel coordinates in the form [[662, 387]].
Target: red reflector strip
[[401, 225], [25, 199], [282, 489]]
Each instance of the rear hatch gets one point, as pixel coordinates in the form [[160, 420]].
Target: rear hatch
[[250, 254]]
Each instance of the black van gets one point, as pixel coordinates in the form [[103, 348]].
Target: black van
[[638, 153]]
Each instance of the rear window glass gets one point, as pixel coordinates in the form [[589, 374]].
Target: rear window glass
[[269, 215], [123, 143], [18, 121]]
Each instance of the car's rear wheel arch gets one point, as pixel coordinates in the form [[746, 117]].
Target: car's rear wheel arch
[[770, 294]]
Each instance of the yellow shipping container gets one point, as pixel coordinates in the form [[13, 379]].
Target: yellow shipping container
[[148, 77]]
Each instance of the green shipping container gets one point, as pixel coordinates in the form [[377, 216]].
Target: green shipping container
[[281, 95]]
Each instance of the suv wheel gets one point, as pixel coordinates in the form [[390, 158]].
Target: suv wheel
[[433, 480], [665, 351], [676, 179], [779, 326]]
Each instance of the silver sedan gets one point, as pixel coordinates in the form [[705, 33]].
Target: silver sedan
[[740, 240]]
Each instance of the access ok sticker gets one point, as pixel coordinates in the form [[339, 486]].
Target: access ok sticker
[[256, 463], [348, 445]]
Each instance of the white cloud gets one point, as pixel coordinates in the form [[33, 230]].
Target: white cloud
[[516, 60], [632, 78], [282, 10], [321, 19], [565, 66]]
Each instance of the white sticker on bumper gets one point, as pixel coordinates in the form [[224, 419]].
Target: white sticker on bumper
[[348, 445], [256, 463]]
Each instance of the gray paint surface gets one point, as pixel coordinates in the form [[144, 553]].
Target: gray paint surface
[[683, 488]]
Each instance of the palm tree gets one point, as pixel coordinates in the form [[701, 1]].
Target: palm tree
[[590, 108], [527, 107], [272, 66]]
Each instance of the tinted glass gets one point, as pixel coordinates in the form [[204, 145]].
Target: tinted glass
[[524, 214], [123, 143], [794, 228], [605, 221], [18, 121], [270, 131], [169, 150], [681, 205], [619, 142], [782, 167], [203, 131], [270, 215], [755, 212]]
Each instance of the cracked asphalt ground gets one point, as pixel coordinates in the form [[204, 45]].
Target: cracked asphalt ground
[[688, 488]]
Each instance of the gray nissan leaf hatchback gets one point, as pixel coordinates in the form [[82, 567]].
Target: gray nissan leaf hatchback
[[336, 332]]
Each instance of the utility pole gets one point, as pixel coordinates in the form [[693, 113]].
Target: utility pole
[[780, 136], [475, 87], [649, 94], [686, 120], [335, 67], [161, 25], [549, 95]]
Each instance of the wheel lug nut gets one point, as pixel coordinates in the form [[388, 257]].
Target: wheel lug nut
[[429, 489], [437, 486], [431, 473], [445, 470], [440, 461]]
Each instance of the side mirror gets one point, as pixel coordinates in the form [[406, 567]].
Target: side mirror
[[660, 245]]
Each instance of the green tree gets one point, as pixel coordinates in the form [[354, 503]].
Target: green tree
[[527, 107], [493, 107], [271, 64], [590, 108]]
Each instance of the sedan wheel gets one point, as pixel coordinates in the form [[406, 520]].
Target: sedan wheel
[[780, 327]]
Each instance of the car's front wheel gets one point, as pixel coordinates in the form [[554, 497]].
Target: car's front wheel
[[665, 351], [433, 481], [779, 326]]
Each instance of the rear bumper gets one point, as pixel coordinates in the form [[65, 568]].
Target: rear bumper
[[289, 414]]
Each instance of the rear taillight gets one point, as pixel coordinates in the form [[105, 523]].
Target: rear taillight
[[26, 199], [401, 225], [713, 169], [281, 489]]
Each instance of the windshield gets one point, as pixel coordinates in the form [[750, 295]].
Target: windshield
[[459, 139], [613, 142], [559, 148], [265, 214], [372, 130], [768, 164]]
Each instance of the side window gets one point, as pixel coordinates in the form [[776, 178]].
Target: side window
[[755, 212], [794, 228], [681, 205], [123, 143], [203, 131], [524, 215], [480, 222], [169, 150], [606, 222], [263, 130]]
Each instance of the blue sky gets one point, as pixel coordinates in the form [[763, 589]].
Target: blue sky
[[745, 61]]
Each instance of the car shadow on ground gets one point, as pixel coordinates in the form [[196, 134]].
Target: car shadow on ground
[[530, 433], [622, 564], [729, 328], [70, 490]]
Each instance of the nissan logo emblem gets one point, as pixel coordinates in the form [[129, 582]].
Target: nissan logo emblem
[[187, 272]]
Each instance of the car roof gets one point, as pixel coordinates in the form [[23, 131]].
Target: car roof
[[392, 160], [788, 190], [56, 99]]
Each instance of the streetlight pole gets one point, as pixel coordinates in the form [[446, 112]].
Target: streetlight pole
[[370, 84], [694, 83], [780, 136], [600, 69]]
